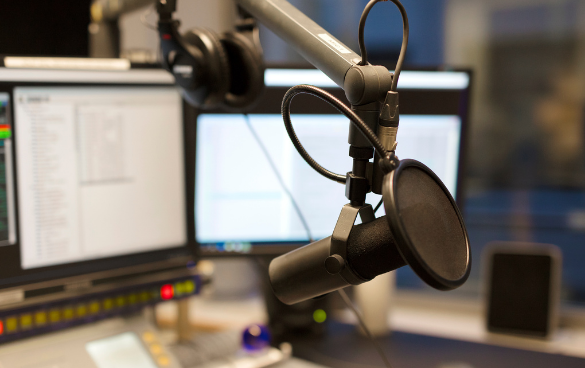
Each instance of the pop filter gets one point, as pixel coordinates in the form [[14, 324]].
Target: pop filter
[[427, 226], [422, 228]]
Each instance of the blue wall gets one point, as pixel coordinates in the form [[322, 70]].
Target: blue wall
[[383, 29]]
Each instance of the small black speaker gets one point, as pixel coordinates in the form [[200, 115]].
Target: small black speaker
[[522, 288]]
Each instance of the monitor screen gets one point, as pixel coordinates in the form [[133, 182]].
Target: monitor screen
[[247, 169], [92, 172], [100, 172], [7, 214]]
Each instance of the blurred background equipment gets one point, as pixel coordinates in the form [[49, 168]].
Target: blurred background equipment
[[45, 28], [523, 284], [523, 161], [104, 30]]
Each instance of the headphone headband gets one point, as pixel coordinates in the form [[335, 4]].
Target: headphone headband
[[211, 70]]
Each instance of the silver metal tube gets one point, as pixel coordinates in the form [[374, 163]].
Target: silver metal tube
[[113, 9], [387, 136], [300, 275], [309, 39]]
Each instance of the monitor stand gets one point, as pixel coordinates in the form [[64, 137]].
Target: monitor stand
[[183, 325]]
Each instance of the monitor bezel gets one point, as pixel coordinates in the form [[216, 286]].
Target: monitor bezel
[[267, 105], [161, 259]]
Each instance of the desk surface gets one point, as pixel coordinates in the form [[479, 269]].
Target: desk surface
[[421, 338], [343, 347]]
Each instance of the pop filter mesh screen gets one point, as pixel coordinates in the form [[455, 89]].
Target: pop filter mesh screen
[[431, 223]]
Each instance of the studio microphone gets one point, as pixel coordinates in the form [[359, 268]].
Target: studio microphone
[[422, 228]]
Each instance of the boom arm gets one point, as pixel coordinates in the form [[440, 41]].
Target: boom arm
[[309, 39]]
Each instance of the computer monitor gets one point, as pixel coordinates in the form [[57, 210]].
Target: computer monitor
[[96, 195], [246, 165]]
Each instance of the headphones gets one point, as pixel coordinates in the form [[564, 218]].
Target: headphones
[[213, 70]]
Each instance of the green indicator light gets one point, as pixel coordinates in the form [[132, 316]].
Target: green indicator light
[[120, 301], [189, 286], [26, 321], [81, 310], [179, 288], [40, 318], [54, 316], [319, 316], [11, 324], [68, 313], [144, 296], [94, 307], [5, 134]]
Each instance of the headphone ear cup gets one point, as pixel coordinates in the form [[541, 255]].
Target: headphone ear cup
[[246, 71], [216, 69]]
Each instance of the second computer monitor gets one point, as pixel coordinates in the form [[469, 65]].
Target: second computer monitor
[[247, 169]]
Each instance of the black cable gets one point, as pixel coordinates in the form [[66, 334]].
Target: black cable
[[405, 33], [378, 205], [279, 177], [348, 302], [342, 108], [306, 226]]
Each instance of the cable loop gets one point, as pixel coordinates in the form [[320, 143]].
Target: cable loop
[[405, 33], [342, 108]]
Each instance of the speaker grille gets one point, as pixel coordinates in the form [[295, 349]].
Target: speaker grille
[[431, 223]]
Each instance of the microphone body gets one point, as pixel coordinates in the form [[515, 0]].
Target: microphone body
[[301, 274]]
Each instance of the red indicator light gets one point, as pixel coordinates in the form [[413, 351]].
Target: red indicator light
[[166, 36], [1, 327], [167, 292]]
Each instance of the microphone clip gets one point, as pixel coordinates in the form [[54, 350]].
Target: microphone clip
[[337, 263]]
